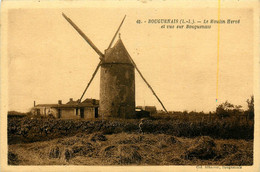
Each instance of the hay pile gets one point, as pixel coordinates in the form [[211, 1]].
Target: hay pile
[[55, 152], [122, 154], [239, 158], [98, 137], [68, 154], [68, 148], [85, 150], [13, 159], [234, 154], [203, 148], [129, 154]]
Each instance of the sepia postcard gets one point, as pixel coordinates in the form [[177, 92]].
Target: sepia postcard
[[130, 85]]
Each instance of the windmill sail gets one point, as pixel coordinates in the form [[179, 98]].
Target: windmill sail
[[116, 33], [83, 35]]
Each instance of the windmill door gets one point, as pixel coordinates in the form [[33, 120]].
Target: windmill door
[[122, 112], [96, 112]]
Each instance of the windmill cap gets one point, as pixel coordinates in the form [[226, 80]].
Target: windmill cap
[[117, 54]]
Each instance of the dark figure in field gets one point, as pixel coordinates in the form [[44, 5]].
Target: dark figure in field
[[46, 131], [141, 126]]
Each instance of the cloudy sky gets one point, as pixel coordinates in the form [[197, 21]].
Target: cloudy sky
[[48, 60]]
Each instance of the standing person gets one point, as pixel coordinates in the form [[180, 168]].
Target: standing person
[[141, 124]]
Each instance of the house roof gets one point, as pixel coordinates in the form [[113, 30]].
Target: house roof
[[45, 105], [93, 101], [73, 104]]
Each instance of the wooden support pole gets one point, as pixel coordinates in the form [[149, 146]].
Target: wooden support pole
[[93, 75], [148, 84]]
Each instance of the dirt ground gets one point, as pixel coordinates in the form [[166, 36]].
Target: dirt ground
[[132, 149]]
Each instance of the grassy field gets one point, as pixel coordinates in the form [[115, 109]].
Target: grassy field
[[167, 140]]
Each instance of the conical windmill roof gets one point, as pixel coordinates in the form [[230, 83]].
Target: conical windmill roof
[[117, 54]]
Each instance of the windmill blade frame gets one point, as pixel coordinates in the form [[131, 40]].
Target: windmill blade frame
[[83, 35], [116, 33]]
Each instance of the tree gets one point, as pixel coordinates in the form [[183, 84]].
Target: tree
[[238, 110], [227, 109], [250, 105], [224, 109]]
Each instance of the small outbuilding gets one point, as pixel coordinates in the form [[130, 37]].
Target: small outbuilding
[[151, 109]]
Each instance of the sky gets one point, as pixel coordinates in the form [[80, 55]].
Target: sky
[[49, 61]]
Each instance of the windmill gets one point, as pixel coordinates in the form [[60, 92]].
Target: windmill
[[117, 78]]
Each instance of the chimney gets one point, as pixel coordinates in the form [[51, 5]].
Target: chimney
[[34, 103], [71, 99], [59, 102]]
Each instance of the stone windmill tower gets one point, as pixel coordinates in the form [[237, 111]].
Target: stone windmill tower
[[117, 78]]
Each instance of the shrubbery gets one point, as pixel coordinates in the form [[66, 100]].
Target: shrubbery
[[30, 130]]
